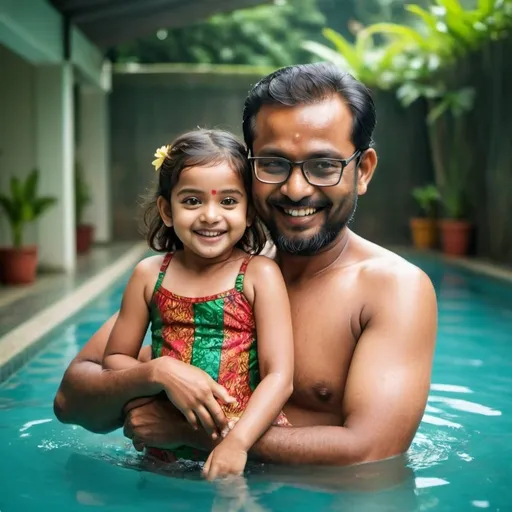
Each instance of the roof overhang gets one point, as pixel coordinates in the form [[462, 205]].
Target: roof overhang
[[110, 22]]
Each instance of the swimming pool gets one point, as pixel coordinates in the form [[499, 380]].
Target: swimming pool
[[460, 458]]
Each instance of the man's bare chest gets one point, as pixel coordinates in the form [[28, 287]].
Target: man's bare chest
[[326, 327]]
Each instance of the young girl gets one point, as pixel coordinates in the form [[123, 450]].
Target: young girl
[[212, 303]]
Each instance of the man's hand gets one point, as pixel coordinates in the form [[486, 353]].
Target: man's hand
[[154, 423], [194, 393]]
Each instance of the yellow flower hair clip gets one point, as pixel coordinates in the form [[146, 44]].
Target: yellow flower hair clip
[[161, 154]]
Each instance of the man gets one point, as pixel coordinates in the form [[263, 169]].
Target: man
[[364, 319]]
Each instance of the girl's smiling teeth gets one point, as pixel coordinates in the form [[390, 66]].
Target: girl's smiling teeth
[[209, 233]]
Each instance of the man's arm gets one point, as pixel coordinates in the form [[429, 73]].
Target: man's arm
[[94, 398], [387, 385]]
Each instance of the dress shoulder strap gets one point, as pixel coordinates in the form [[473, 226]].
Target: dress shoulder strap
[[239, 283], [163, 269]]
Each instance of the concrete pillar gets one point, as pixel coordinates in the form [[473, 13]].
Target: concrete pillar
[[93, 154], [55, 161]]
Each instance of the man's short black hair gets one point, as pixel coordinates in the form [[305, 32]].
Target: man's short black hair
[[310, 83]]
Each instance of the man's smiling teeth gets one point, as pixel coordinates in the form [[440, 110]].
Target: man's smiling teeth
[[209, 233], [303, 212]]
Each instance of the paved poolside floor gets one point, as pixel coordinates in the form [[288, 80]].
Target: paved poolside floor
[[19, 303], [28, 313]]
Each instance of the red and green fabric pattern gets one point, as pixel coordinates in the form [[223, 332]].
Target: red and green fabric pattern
[[215, 333]]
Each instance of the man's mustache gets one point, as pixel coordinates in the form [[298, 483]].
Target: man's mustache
[[303, 203]]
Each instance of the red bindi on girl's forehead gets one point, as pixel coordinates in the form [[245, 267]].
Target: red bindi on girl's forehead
[[214, 192]]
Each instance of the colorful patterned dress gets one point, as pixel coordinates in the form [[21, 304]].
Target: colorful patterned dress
[[216, 333]]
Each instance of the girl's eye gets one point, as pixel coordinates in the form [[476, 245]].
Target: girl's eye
[[191, 201], [229, 201]]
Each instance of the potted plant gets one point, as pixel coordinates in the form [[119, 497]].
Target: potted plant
[[446, 128], [424, 228], [84, 232], [455, 228], [19, 262], [447, 123]]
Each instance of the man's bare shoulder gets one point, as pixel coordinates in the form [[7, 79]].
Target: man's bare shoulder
[[392, 289], [386, 273]]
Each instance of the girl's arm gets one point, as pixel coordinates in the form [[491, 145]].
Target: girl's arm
[[190, 389], [128, 333], [275, 352]]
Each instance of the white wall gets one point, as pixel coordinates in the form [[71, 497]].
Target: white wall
[[55, 156], [93, 155], [17, 127]]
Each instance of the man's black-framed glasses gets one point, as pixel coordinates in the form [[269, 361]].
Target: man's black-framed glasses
[[319, 172]]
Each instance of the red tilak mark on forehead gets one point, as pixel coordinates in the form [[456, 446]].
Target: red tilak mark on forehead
[[214, 192]]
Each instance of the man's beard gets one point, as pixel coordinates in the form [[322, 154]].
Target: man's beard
[[327, 234]]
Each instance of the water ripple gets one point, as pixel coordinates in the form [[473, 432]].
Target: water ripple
[[465, 405], [430, 449], [434, 420], [450, 388]]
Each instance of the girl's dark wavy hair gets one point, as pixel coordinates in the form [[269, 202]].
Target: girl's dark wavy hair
[[204, 148]]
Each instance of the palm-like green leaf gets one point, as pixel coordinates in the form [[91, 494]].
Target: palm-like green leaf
[[390, 53], [349, 52], [31, 184], [485, 7], [461, 29], [27, 211], [394, 29], [439, 110], [452, 6], [324, 52], [24, 206], [16, 190], [42, 204], [9, 208], [428, 18], [456, 102]]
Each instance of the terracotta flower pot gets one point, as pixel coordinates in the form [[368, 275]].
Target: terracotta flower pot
[[84, 238], [455, 236], [19, 265], [424, 232]]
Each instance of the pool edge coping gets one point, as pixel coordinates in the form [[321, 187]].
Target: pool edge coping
[[478, 266], [21, 343]]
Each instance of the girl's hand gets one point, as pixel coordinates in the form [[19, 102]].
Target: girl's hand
[[227, 458], [194, 393]]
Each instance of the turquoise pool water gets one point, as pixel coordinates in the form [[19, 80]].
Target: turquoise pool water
[[460, 458]]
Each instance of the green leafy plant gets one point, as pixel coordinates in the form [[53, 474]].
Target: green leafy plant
[[436, 38], [446, 119], [376, 65], [24, 206], [82, 194], [447, 30], [426, 197]]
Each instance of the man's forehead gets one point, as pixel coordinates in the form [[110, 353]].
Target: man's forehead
[[327, 119]]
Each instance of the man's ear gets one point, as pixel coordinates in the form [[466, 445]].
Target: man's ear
[[165, 210], [365, 170]]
